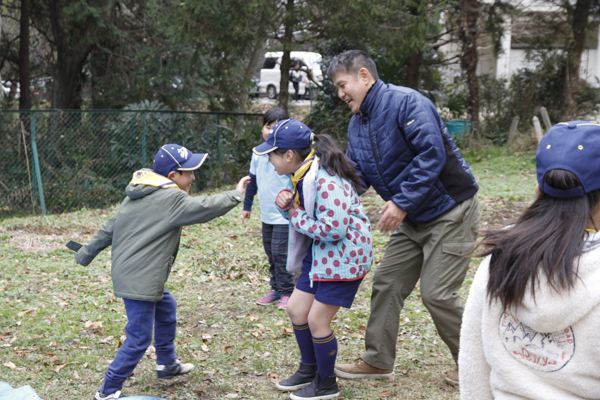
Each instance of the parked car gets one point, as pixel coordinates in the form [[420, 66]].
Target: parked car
[[270, 74]]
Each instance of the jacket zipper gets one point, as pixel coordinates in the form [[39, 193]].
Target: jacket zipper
[[375, 158], [378, 149]]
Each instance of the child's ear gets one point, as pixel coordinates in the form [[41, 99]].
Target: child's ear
[[171, 174], [289, 156], [538, 191]]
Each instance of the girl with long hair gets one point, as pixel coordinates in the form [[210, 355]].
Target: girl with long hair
[[330, 241], [532, 320]]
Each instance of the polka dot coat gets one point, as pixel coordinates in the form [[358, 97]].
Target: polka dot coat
[[342, 246]]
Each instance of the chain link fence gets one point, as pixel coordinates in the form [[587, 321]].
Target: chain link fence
[[61, 161]]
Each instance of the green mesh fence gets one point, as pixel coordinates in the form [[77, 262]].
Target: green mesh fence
[[61, 161]]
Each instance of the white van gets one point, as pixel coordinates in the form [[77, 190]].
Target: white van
[[270, 74]]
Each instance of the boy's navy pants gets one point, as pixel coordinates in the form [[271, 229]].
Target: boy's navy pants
[[143, 316]]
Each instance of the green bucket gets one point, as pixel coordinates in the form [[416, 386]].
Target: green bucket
[[459, 129]]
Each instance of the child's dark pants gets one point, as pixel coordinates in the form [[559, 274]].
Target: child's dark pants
[[143, 315], [275, 242]]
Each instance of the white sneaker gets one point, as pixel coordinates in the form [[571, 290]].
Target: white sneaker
[[112, 396], [171, 370]]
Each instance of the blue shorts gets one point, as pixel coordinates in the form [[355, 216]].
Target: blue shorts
[[334, 293]]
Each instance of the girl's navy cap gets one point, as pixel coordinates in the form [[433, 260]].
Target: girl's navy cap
[[573, 146], [287, 134]]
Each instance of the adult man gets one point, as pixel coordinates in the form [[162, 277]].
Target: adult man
[[400, 146]]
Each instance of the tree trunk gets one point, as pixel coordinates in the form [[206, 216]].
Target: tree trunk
[[288, 38], [579, 26], [24, 73], [250, 69], [69, 60], [469, 57], [413, 64]]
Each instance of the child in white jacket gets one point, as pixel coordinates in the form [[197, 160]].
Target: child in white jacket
[[532, 320]]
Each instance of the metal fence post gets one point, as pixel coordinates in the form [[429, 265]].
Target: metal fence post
[[143, 139], [219, 155], [36, 164]]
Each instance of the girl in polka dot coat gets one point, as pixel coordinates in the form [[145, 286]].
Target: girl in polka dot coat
[[330, 241]]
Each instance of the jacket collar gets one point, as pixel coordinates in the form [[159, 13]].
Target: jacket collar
[[370, 101]]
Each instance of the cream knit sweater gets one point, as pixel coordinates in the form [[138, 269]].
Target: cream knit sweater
[[545, 349]]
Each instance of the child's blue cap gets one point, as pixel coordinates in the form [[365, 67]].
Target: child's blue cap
[[287, 134], [573, 146], [173, 157]]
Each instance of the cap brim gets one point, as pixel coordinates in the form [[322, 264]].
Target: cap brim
[[263, 148], [194, 162]]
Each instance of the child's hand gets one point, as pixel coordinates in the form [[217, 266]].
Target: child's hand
[[246, 215], [292, 209], [241, 186], [283, 199]]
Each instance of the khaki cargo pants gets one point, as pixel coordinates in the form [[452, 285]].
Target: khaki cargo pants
[[434, 253]]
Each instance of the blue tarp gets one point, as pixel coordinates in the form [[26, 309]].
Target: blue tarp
[[27, 393]]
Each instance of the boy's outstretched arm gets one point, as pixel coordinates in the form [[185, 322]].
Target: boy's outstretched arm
[[101, 240], [195, 210]]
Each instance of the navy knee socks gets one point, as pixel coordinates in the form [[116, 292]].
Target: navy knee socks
[[305, 343], [325, 353]]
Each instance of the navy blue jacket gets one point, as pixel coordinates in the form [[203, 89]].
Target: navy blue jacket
[[399, 145]]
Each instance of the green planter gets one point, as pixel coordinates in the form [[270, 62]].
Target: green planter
[[459, 129]]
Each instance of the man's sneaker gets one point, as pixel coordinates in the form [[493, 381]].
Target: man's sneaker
[[327, 389], [101, 396], [452, 377], [360, 369], [283, 303], [171, 370], [270, 298], [301, 378]]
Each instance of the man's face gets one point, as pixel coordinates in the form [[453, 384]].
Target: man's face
[[351, 89], [183, 179]]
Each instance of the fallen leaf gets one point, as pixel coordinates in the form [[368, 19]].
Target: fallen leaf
[[90, 324], [204, 348], [231, 395], [9, 365], [279, 323], [226, 348], [26, 312], [59, 367], [385, 394]]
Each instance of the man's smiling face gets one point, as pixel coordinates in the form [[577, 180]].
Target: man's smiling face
[[351, 88]]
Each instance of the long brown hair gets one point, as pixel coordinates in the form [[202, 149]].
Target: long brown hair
[[547, 238], [332, 158]]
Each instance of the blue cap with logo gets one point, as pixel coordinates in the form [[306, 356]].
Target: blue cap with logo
[[173, 157], [287, 134], [573, 146]]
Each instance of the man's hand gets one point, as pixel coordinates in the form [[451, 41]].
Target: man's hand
[[246, 215], [241, 186], [392, 217], [283, 199]]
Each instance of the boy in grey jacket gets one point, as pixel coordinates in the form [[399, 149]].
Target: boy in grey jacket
[[145, 234]]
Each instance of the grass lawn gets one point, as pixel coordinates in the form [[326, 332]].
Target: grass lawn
[[60, 325]]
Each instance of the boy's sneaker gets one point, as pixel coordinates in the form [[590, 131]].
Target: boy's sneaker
[[328, 389], [171, 370], [301, 378], [101, 396], [452, 377], [270, 298], [283, 302]]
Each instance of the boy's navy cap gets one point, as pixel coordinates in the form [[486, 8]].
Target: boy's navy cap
[[287, 134], [573, 146], [173, 157]]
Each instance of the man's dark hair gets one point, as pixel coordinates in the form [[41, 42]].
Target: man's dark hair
[[275, 114], [351, 61]]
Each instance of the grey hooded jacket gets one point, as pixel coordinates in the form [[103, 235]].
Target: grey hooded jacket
[[145, 233]]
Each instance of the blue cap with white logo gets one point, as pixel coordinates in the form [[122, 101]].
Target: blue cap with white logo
[[573, 146], [287, 134], [173, 157]]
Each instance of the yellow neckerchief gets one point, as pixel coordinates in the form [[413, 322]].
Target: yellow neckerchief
[[298, 175], [591, 231], [150, 178]]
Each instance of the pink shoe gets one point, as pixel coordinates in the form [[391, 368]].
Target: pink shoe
[[270, 298], [283, 303]]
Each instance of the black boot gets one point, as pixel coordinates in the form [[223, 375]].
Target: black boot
[[327, 389], [301, 378]]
